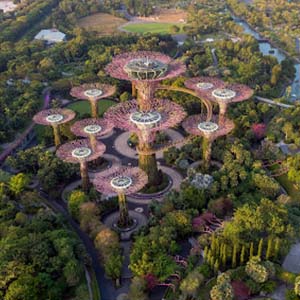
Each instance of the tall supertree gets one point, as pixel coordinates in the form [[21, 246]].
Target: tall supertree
[[121, 181], [220, 92], [209, 130], [93, 92], [161, 114], [92, 129], [54, 117], [81, 152], [145, 69]]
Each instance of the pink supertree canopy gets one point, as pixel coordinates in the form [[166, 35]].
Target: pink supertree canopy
[[197, 125], [216, 90], [204, 85], [54, 116], [120, 180], [92, 91], [92, 126], [144, 66], [162, 114], [80, 151]]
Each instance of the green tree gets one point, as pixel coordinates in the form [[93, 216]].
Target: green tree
[[75, 200], [18, 183]]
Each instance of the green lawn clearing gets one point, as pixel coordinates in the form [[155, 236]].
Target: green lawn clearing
[[162, 28], [83, 107]]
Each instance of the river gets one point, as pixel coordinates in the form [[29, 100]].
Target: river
[[265, 49]]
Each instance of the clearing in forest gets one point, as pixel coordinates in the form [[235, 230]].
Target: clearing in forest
[[104, 24]]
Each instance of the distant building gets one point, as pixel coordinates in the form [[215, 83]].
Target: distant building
[[298, 44], [50, 36]]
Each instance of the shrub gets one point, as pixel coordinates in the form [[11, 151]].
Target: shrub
[[297, 286], [223, 289], [75, 200], [256, 270]]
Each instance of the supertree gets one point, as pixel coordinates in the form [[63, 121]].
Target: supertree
[[161, 114], [209, 130], [93, 92], [145, 69], [54, 117], [92, 129], [81, 151], [121, 181], [220, 92]]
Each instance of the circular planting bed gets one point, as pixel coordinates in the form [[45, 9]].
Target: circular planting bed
[[150, 193]]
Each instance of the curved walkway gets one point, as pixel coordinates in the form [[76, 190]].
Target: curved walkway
[[122, 147], [176, 182], [292, 260], [107, 290]]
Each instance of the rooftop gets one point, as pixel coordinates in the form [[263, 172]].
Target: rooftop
[[50, 36]]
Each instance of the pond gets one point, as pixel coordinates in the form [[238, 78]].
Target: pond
[[267, 49]]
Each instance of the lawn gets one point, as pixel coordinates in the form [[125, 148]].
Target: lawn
[[289, 187], [103, 24], [162, 28], [286, 184], [83, 107]]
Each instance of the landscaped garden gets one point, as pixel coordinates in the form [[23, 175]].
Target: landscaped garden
[[82, 107], [197, 213], [160, 28]]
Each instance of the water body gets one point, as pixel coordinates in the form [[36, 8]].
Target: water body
[[267, 49]]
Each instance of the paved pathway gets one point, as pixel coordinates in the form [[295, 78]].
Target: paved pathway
[[122, 147], [279, 293], [107, 290], [292, 260], [125, 236]]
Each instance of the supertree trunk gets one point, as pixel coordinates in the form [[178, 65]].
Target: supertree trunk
[[133, 90], [124, 219], [207, 149], [84, 176], [57, 139], [222, 113], [145, 93], [148, 163], [94, 108], [93, 139]]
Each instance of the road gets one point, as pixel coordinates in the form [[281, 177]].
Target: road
[[107, 290]]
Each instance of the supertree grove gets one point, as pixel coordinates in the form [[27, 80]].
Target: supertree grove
[[81, 151], [93, 92], [209, 130], [121, 181], [54, 117], [145, 116], [92, 129], [162, 114]]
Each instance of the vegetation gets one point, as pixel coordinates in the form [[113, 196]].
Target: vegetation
[[161, 28], [40, 256]]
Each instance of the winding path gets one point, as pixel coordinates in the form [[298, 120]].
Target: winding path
[[107, 290], [122, 147]]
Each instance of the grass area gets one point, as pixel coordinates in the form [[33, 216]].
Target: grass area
[[289, 187], [103, 24], [286, 184], [83, 107], [162, 28]]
